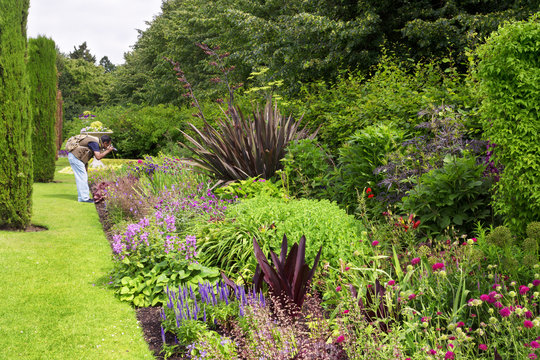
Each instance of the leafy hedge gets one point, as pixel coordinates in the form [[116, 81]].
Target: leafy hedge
[[15, 118], [43, 83], [509, 79]]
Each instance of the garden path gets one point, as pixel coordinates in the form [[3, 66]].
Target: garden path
[[52, 305]]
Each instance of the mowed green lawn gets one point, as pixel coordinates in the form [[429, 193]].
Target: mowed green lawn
[[51, 303]]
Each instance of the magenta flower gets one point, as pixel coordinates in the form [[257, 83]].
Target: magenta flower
[[338, 288], [340, 339], [536, 282], [391, 282], [528, 324], [528, 314], [415, 261], [449, 355], [523, 289], [375, 243], [535, 344], [460, 324], [345, 311], [505, 312], [432, 352], [532, 356], [412, 296], [437, 266], [482, 347], [484, 297]]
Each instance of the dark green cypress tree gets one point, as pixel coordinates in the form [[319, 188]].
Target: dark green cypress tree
[[15, 118], [42, 75]]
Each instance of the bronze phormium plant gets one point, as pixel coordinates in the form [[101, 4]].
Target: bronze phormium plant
[[243, 147], [240, 146]]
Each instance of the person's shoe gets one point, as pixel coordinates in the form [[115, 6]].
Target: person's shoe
[[88, 201]]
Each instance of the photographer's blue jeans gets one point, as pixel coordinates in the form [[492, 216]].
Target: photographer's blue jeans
[[81, 177]]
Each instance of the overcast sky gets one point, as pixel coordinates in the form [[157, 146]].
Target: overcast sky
[[109, 27]]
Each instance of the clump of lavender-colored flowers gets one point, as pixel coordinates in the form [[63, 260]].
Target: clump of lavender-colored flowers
[[186, 305], [154, 233]]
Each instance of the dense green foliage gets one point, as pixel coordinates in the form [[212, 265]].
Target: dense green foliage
[[307, 170], [509, 79], [83, 85], [358, 159], [143, 130], [455, 195], [228, 244], [43, 81], [15, 118], [300, 41], [394, 94]]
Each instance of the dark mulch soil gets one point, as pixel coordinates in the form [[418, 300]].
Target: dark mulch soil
[[29, 228], [149, 317]]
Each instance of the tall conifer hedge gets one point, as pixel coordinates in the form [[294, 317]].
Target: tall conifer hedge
[[42, 75], [15, 118]]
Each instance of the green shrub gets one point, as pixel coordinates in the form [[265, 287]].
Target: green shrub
[[394, 93], [42, 74], [455, 195], [16, 176], [359, 157], [509, 73], [228, 244], [249, 188], [306, 169], [143, 130], [140, 130]]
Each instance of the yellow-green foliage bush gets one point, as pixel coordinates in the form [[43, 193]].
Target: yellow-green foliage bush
[[509, 80]]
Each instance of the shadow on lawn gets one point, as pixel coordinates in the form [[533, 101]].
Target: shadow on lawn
[[62, 196]]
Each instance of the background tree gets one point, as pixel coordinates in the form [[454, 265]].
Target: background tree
[[107, 64], [43, 84], [82, 52], [84, 85], [301, 41], [15, 118]]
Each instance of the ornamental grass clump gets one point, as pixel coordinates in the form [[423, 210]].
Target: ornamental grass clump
[[241, 146]]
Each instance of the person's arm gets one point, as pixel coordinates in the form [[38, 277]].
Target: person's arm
[[98, 153], [101, 154]]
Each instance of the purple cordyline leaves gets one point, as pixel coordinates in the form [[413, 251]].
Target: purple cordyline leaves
[[290, 275]]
